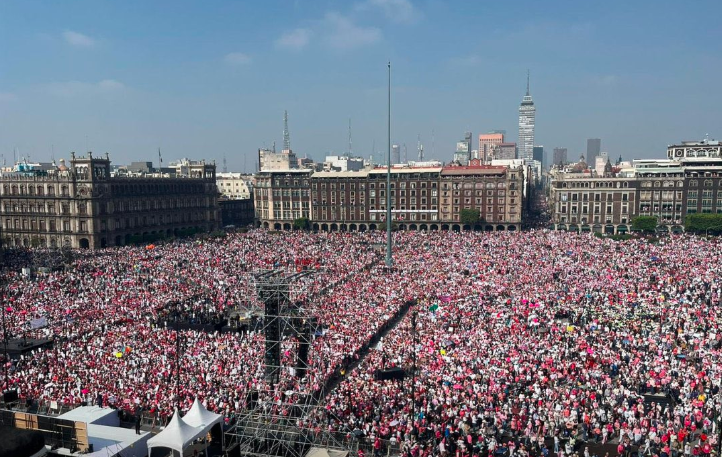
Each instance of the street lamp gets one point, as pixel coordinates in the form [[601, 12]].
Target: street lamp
[[389, 258]]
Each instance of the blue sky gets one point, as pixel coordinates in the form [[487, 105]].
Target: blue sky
[[204, 79]]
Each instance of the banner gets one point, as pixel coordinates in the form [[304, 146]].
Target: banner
[[38, 323]]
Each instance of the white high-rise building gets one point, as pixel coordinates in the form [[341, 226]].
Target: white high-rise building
[[527, 119]]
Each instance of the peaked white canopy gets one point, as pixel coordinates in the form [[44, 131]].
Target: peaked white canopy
[[199, 416], [177, 436]]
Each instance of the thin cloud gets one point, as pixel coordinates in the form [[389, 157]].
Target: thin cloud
[[69, 89], [401, 11], [295, 39], [78, 39], [344, 34], [237, 58]]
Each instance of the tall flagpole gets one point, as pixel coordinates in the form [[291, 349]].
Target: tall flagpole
[[389, 260]]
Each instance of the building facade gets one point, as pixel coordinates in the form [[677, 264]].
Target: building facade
[[581, 202], [487, 143], [281, 197], [505, 151], [539, 155], [527, 123], [463, 150], [238, 213], [235, 186], [560, 157], [688, 182], [270, 160], [422, 198], [83, 206], [395, 154], [594, 148]]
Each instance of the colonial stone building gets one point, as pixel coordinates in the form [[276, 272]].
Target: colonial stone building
[[282, 197], [688, 181], [83, 206], [422, 198]]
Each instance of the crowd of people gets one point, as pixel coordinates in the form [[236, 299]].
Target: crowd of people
[[524, 342], [518, 343]]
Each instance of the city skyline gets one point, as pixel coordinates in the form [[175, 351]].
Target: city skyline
[[214, 80]]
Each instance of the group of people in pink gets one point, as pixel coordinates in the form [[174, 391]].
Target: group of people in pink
[[530, 343], [541, 342]]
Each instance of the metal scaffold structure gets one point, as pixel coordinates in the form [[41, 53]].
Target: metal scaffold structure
[[271, 424]]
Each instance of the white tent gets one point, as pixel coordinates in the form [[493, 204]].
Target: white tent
[[199, 416], [177, 436]]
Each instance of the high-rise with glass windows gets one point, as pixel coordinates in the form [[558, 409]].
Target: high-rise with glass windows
[[527, 119]]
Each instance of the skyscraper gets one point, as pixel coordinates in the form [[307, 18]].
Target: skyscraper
[[487, 143], [594, 146], [395, 154], [539, 154], [463, 150], [560, 156], [527, 120]]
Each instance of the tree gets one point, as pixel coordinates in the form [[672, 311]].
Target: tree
[[703, 222], [394, 226], [302, 223], [469, 216], [646, 224]]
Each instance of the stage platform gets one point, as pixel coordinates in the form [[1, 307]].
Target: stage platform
[[19, 346], [104, 434], [93, 415]]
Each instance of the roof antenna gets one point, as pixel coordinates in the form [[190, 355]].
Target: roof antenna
[[527, 81], [350, 149], [160, 159], [432, 144], [286, 135]]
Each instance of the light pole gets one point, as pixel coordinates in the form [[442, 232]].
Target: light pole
[[389, 259]]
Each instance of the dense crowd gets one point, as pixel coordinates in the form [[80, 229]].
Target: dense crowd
[[546, 335], [516, 343]]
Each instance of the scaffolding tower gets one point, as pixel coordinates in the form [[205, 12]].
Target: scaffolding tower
[[271, 423]]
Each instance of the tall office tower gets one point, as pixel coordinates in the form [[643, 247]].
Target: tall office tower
[[594, 146], [487, 143], [560, 156], [539, 154], [463, 150], [395, 154], [527, 119]]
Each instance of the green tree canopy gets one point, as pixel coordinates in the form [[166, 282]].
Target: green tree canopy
[[646, 224], [302, 223], [703, 222], [469, 216]]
